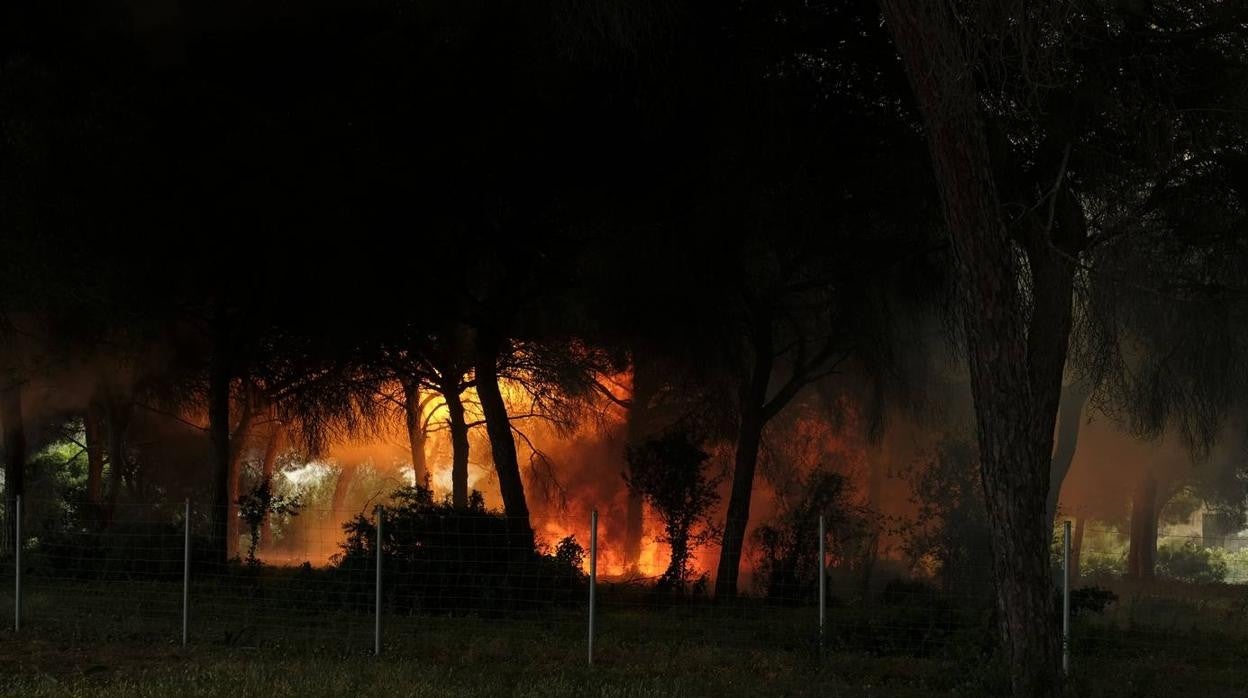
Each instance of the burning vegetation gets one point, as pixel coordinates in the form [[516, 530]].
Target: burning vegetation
[[936, 277]]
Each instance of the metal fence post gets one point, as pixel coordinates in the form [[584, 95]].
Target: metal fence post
[[823, 582], [17, 564], [593, 577], [377, 602], [1066, 598], [186, 570]]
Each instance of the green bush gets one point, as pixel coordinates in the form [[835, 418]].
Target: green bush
[[1096, 564], [1236, 566], [1188, 562]]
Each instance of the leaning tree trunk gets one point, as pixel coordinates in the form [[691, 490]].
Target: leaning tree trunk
[[415, 430], [1069, 414], [1142, 555], [745, 462], [502, 443], [12, 422], [1015, 368], [458, 426]]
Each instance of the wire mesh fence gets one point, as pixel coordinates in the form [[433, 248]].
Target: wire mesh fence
[[164, 574]]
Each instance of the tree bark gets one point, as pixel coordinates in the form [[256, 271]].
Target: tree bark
[[219, 378], [1015, 369], [14, 454], [745, 462], [458, 426], [502, 443], [1142, 555], [92, 422], [118, 416], [415, 430], [1069, 414]]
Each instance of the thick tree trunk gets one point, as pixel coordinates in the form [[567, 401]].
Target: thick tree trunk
[[749, 436], [1076, 549], [13, 423], [458, 426], [415, 430], [93, 422], [1142, 555], [745, 462], [1069, 414], [1015, 367], [118, 416], [502, 443]]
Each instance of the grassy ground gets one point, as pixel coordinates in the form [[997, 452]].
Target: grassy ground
[[79, 641]]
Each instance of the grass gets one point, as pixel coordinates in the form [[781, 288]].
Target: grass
[[84, 640]]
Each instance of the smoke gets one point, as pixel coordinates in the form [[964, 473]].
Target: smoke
[[1110, 463]]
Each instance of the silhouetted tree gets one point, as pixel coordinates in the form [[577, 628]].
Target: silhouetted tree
[[669, 471]]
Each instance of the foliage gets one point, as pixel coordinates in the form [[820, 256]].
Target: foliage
[[669, 472], [571, 553], [439, 559], [787, 548], [950, 537], [1236, 565], [1188, 562], [257, 505], [1096, 564], [1091, 599]]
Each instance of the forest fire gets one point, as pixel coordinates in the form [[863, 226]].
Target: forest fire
[[896, 334], [573, 470]]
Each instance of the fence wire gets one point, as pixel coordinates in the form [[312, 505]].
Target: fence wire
[[124, 576]]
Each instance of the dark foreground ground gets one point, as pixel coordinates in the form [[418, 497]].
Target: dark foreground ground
[[79, 643]]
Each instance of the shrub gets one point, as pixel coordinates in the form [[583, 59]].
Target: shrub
[[126, 550], [438, 559], [1091, 599], [950, 537], [1102, 565], [1236, 566], [670, 473], [1188, 562], [787, 548]]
